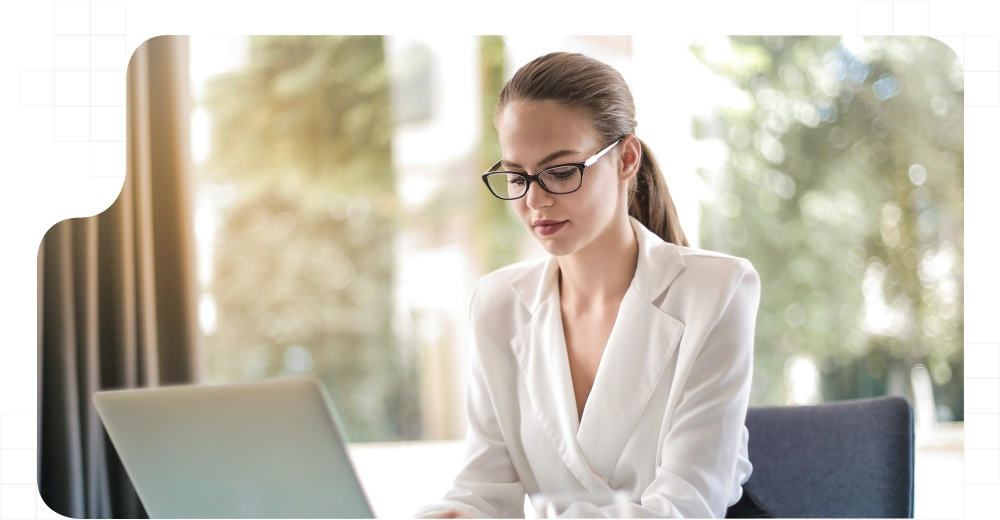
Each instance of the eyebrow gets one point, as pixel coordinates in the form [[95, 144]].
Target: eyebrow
[[551, 157]]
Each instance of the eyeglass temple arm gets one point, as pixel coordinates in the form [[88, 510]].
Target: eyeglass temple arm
[[599, 154]]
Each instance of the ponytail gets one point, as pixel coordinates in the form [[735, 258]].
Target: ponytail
[[649, 200]]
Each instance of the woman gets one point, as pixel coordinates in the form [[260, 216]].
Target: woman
[[622, 362]]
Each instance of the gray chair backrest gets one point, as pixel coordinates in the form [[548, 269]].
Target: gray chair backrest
[[842, 459]]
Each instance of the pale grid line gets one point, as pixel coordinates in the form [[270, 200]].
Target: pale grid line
[[90, 95], [983, 70], [90, 70], [2, 415], [965, 476]]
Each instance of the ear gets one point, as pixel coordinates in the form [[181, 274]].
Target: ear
[[629, 157]]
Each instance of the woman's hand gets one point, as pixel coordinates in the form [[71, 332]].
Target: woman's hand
[[448, 514]]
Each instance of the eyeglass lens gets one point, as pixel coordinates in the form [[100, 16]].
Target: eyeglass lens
[[562, 179]]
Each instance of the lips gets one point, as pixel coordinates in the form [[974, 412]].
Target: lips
[[548, 227]]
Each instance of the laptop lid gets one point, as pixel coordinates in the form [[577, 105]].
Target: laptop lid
[[268, 449]]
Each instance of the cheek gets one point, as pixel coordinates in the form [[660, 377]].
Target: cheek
[[597, 196], [520, 207]]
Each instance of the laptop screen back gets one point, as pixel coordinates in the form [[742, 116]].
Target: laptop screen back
[[271, 449]]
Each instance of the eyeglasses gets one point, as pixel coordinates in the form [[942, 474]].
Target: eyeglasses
[[557, 180]]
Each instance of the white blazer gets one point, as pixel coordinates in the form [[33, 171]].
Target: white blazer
[[664, 419]]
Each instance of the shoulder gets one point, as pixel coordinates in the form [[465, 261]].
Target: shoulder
[[716, 278], [493, 290], [496, 313], [499, 280], [694, 254], [711, 266]]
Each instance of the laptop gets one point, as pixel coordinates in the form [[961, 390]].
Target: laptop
[[268, 449]]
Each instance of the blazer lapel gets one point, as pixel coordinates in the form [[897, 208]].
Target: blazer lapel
[[641, 342], [540, 349]]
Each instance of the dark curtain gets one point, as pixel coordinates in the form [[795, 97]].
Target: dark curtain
[[117, 295]]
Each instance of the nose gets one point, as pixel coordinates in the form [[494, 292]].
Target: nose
[[537, 197]]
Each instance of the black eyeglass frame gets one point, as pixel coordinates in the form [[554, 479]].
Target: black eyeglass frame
[[528, 178]]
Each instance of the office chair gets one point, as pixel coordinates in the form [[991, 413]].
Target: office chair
[[842, 459]]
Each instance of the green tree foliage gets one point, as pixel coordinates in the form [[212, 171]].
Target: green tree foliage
[[843, 186], [303, 271], [500, 229]]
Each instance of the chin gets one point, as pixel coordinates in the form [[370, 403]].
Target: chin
[[554, 251], [556, 247], [562, 243]]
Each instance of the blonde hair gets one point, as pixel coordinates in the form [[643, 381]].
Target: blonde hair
[[599, 91]]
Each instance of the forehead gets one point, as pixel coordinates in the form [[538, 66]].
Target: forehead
[[531, 130]]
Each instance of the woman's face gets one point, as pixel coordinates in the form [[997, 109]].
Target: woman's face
[[538, 134]]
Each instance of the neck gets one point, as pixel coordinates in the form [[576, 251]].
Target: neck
[[600, 273]]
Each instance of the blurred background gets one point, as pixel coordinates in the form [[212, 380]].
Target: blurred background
[[338, 220], [341, 221]]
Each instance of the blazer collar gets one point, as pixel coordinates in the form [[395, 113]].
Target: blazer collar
[[641, 343], [658, 264]]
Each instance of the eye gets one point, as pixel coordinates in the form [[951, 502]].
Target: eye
[[562, 172]]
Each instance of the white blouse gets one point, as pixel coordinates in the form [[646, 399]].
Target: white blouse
[[664, 419]]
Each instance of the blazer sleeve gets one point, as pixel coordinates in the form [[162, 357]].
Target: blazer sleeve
[[488, 485], [701, 445]]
